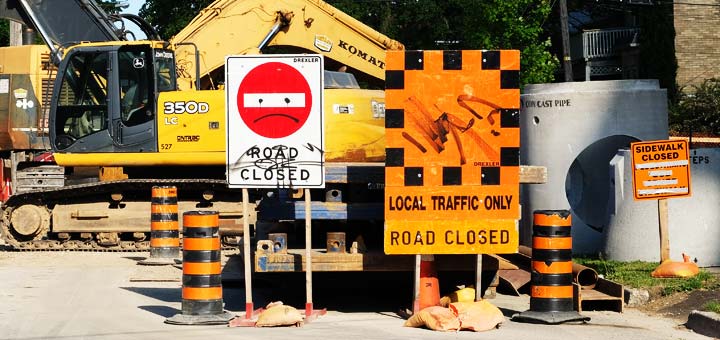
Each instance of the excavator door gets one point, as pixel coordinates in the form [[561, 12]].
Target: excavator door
[[104, 99]]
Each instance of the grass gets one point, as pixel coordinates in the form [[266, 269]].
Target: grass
[[712, 306], [636, 274]]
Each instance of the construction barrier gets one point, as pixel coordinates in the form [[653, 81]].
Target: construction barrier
[[551, 290], [164, 230], [202, 301]]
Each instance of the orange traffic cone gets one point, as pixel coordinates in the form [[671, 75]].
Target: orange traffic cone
[[429, 291]]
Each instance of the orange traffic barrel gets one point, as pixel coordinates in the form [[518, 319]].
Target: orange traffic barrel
[[202, 301], [164, 230], [551, 285]]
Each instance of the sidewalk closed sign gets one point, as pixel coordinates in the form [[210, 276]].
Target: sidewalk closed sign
[[660, 169]]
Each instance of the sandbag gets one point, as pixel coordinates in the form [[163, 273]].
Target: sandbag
[[477, 316], [279, 315], [436, 318], [466, 294], [670, 269]]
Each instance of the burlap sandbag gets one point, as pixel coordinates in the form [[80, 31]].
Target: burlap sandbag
[[279, 315], [436, 318], [477, 316]]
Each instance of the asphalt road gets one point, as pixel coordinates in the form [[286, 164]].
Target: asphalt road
[[58, 295]]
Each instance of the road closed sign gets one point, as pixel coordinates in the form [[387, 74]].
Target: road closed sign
[[275, 124], [660, 169], [452, 164]]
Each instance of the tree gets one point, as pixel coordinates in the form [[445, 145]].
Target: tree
[[466, 24], [110, 6], [424, 24], [168, 17]]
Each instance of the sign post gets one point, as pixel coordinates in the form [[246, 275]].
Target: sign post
[[661, 170], [275, 136]]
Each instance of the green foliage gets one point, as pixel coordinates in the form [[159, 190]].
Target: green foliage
[[657, 47], [466, 24], [712, 306], [109, 6], [636, 274], [168, 17], [4, 32], [697, 109]]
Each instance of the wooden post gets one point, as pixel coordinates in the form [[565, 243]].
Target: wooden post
[[246, 255], [664, 230], [478, 278], [308, 255], [416, 285]]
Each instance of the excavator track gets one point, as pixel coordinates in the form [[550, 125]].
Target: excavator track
[[37, 235]]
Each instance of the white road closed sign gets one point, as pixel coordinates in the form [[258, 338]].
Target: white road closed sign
[[275, 124]]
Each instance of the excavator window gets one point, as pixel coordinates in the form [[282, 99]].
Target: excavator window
[[136, 76], [82, 102]]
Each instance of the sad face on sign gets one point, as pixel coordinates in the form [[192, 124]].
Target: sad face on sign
[[274, 100]]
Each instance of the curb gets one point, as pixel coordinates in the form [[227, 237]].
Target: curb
[[705, 323]]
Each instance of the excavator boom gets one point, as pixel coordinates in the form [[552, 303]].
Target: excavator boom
[[248, 26]]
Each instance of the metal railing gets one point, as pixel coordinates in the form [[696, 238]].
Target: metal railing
[[603, 43]]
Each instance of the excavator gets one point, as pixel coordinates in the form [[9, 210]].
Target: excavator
[[126, 115]]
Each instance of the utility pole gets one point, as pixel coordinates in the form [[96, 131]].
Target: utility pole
[[567, 64]]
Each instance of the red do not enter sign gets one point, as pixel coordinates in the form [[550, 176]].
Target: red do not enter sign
[[274, 100]]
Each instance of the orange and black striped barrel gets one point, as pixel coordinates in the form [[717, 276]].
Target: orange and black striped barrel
[[201, 284], [164, 230], [551, 284]]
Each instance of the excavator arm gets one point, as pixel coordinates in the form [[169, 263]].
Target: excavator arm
[[247, 27]]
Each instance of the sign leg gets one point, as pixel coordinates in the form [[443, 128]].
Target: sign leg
[[246, 255], [478, 277], [664, 230], [308, 256]]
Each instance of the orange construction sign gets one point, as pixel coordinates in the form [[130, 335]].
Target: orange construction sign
[[452, 124], [660, 169]]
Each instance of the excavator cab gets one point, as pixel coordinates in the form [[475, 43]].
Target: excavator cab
[[105, 97]]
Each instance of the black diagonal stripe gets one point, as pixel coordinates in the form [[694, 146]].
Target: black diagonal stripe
[[452, 60], [394, 118], [201, 281], [490, 175], [201, 256], [394, 80], [413, 177], [164, 233], [564, 214], [509, 79], [394, 157], [452, 175], [559, 279], [552, 255], [163, 217], [509, 156], [551, 304], [491, 60], [205, 232], [509, 118], [550, 231], [414, 60], [164, 200]]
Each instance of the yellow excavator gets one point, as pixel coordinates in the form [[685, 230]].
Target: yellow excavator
[[128, 115]]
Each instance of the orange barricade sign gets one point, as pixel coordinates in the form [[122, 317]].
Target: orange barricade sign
[[660, 169], [452, 124]]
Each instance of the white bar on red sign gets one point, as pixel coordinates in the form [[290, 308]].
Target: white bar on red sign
[[274, 99]]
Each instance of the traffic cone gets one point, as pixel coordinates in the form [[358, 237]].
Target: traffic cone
[[6, 192], [429, 290]]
